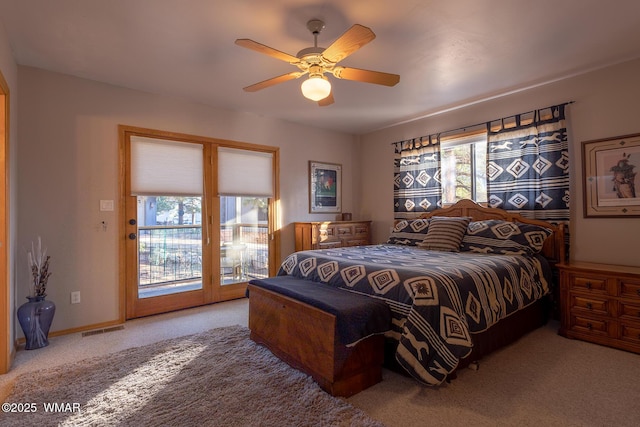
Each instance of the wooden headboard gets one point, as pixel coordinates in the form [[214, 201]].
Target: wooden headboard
[[554, 246]]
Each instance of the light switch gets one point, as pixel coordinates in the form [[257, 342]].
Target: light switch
[[106, 205]]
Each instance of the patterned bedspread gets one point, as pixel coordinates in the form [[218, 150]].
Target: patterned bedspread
[[437, 299]]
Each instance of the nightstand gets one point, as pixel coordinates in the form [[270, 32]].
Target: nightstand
[[600, 303]]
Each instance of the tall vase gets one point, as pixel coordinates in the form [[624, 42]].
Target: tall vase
[[35, 318]]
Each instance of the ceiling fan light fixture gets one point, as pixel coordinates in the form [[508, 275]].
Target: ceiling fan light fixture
[[316, 88], [316, 61]]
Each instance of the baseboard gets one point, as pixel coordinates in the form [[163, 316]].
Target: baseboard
[[20, 341]]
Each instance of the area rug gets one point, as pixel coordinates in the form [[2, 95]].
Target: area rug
[[215, 378]]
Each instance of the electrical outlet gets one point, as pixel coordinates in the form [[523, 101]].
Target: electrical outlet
[[75, 297]]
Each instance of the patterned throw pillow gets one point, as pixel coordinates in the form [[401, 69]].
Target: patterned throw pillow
[[409, 232], [445, 233], [504, 237]]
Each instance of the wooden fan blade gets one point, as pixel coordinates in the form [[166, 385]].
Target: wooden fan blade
[[326, 101], [258, 47], [367, 76], [353, 39], [274, 81]]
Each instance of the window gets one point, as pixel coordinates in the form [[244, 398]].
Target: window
[[463, 161]]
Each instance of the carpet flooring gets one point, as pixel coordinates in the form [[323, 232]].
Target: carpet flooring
[[214, 378], [542, 380]]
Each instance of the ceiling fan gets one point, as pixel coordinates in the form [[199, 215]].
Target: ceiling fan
[[316, 61]]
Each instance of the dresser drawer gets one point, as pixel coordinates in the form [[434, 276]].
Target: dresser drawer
[[630, 332], [344, 231], [327, 232], [592, 305], [330, 244], [591, 326], [356, 242], [361, 231], [629, 289], [596, 284], [629, 311]]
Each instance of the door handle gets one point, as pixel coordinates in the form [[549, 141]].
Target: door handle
[[132, 236]]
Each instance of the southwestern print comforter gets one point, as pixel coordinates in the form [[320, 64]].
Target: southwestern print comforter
[[437, 299]]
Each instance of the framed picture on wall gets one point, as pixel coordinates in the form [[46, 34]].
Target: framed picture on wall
[[610, 173], [325, 187]]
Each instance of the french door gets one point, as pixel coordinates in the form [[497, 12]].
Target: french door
[[191, 236], [6, 344]]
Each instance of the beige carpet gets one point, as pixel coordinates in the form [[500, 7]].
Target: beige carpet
[[216, 378], [542, 380]]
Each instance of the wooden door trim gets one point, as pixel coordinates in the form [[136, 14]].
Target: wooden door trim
[[7, 349], [122, 215]]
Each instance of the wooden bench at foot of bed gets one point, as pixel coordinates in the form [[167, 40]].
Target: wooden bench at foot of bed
[[310, 337]]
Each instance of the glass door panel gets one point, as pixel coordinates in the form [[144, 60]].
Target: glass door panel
[[169, 245], [244, 243]]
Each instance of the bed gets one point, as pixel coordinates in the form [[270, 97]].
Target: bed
[[460, 283]]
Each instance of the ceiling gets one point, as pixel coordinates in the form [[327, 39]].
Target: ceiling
[[448, 53]]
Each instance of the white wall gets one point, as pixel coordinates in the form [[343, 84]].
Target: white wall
[[69, 162], [606, 105], [9, 70]]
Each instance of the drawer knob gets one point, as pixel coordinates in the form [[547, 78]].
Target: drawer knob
[[589, 306], [638, 292], [589, 326], [588, 285]]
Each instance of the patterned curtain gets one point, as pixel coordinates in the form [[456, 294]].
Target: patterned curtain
[[528, 165], [417, 187]]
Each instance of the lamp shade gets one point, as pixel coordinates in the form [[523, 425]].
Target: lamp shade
[[316, 88]]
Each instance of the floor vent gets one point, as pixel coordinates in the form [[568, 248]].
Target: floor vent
[[102, 331]]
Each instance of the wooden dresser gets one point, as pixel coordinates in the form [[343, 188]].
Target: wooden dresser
[[600, 303], [332, 234]]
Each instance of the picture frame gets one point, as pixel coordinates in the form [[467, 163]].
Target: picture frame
[[325, 187], [610, 177]]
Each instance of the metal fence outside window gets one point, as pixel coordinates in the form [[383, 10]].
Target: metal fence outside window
[[173, 254]]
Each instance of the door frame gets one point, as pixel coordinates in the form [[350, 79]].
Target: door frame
[[212, 294], [6, 345]]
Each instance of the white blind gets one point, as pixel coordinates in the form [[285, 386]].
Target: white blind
[[245, 173], [164, 167]]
